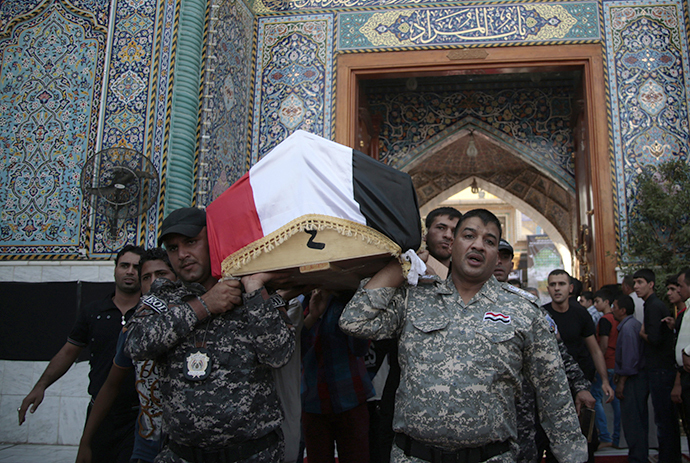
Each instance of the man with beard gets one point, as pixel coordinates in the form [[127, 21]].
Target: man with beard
[[98, 326], [464, 346], [216, 344], [440, 226]]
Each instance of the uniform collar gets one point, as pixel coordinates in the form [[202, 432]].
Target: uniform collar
[[490, 289]]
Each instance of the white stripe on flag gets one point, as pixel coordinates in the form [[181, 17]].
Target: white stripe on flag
[[305, 174]]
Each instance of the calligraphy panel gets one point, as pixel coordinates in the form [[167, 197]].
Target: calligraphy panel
[[647, 65], [469, 25]]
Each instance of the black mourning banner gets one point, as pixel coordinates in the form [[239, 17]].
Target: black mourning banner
[[36, 318]]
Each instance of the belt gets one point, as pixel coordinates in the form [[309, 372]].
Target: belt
[[229, 454], [414, 448]]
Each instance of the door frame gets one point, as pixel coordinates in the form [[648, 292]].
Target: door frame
[[351, 68]]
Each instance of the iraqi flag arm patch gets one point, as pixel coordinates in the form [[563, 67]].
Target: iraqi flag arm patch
[[497, 317]]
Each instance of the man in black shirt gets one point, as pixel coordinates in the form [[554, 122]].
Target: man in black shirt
[[99, 326], [576, 328], [660, 365]]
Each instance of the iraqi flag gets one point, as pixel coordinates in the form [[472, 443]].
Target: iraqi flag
[[310, 186]]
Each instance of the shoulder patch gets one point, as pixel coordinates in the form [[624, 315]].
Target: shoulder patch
[[154, 303], [552, 324], [521, 292]]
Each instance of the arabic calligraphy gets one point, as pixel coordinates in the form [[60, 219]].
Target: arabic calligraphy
[[464, 25]]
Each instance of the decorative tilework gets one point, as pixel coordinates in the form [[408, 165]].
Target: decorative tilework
[[159, 94], [647, 65], [126, 102], [52, 64], [93, 10], [533, 121], [469, 25], [293, 79], [225, 124]]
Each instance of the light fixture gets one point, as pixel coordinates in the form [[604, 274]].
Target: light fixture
[[471, 146], [474, 188]]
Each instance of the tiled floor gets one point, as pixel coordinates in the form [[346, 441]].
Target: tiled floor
[[36, 453]]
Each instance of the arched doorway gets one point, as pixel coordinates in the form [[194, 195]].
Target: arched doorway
[[585, 206]]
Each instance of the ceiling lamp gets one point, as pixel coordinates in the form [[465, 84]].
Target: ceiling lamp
[[471, 146], [474, 188]]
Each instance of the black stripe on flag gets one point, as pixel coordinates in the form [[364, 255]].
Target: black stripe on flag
[[387, 199]]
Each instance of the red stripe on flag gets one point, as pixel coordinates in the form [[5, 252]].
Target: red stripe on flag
[[232, 222]]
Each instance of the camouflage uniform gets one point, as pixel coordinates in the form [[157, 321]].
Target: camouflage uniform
[[238, 401], [526, 405], [462, 365]]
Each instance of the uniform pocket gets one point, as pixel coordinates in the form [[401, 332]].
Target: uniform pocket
[[429, 323], [496, 332]]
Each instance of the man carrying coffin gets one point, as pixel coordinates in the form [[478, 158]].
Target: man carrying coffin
[[216, 343], [464, 346]]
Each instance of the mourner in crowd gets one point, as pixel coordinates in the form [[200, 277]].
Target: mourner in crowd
[[154, 264], [216, 343], [464, 346], [98, 326]]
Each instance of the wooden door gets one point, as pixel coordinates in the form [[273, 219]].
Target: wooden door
[[594, 174]]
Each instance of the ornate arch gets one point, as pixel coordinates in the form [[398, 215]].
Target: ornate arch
[[508, 143], [443, 168]]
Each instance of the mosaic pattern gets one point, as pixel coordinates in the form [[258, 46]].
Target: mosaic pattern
[[469, 25], [130, 68], [52, 68], [12, 10], [126, 102], [537, 119], [647, 50], [157, 130], [293, 79], [227, 126], [274, 6]]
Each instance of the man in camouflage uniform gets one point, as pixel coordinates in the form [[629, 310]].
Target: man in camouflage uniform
[[526, 405], [464, 346], [216, 347]]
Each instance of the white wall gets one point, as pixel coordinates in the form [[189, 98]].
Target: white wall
[[60, 417]]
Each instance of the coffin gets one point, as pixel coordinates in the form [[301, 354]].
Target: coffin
[[325, 213]]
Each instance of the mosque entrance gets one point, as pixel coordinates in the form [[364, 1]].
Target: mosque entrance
[[526, 124]]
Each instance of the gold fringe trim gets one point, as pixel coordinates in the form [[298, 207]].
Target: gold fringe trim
[[318, 222]]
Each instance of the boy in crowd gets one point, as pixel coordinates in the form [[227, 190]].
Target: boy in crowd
[[587, 301], [632, 387], [607, 335]]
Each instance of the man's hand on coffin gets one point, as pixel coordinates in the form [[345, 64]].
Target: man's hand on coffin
[[390, 276], [424, 255], [259, 280], [224, 296]]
